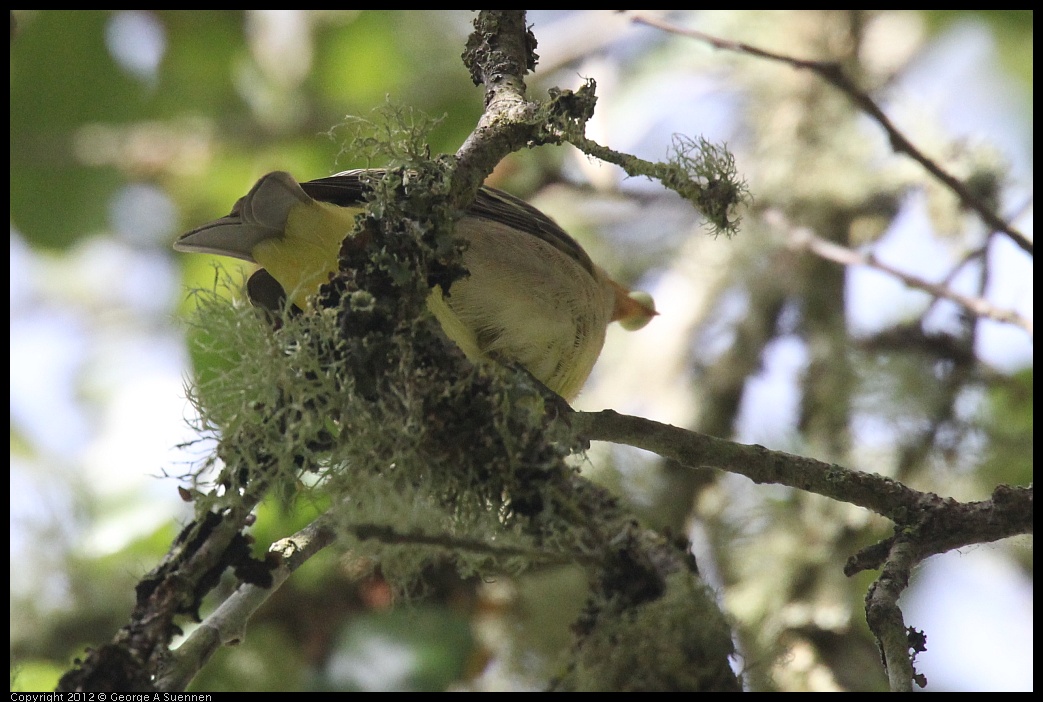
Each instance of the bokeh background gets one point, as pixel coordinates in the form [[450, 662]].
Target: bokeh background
[[130, 127]]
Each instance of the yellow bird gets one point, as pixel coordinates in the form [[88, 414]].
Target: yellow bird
[[532, 295]]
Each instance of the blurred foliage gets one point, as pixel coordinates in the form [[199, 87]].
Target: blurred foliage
[[198, 104], [216, 108], [1012, 30]]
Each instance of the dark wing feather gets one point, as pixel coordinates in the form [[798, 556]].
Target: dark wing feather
[[350, 189]]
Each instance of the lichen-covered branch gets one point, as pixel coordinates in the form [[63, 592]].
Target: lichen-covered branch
[[499, 53], [925, 524], [227, 624], [206, 548]]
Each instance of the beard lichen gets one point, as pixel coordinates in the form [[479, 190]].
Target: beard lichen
[[363, 403]]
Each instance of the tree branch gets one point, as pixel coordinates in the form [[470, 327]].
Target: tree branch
[[630, 566], [926, 524], [499, 53], [226, 626], [803, 238], [833, 74], [943, 523], [885, 617]]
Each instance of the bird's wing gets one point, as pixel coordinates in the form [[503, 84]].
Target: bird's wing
[[351, 188]]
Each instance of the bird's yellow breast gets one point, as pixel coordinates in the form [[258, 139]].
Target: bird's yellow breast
[[306, 255]]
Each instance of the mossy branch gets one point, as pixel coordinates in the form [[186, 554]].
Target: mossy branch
[[371, 404]]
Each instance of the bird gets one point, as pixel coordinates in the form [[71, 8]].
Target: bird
[[532, 295]]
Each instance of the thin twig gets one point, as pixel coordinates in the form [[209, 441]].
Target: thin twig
[[833, 74], [803, 239]]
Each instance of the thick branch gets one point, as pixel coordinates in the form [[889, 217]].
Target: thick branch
[[943, 523], [499, 53], [874, 492]]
